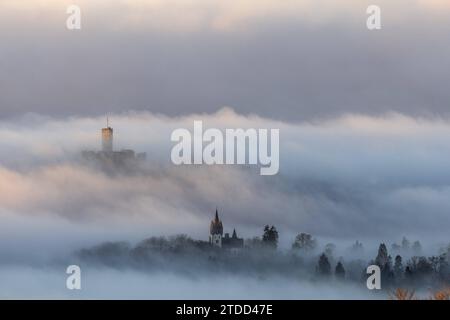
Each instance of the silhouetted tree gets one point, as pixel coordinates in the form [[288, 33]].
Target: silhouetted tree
[[443, 269], [398, 267], [324, 267], [270, 237], [339, 271], [329, 250], [419, 267], [382, 257], [405, 244], [434, 262], [408, 273], [440, 266], [357, 248], [384, 261], [417, 247], [304, 242], [423, 266]]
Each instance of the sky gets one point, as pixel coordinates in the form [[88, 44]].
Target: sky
[[363, 117], [294, 60]]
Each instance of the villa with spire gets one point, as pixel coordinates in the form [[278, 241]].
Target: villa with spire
[[217, 239]]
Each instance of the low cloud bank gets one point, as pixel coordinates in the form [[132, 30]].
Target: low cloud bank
[[374, 179], [351, 177]]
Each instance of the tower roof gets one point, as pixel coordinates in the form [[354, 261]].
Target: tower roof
[[216, 226]]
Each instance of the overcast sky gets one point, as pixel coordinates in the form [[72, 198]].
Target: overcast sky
[[292, 59]]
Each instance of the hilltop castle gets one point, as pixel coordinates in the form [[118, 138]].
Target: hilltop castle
[[217, 239], [107, 156]]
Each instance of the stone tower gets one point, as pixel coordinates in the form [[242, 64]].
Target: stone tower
[[107, 138]]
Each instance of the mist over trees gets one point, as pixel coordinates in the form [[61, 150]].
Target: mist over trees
[[304, 242], [260, 257]]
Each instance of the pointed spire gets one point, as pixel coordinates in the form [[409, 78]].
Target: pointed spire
[[216, 225], [234, 234]]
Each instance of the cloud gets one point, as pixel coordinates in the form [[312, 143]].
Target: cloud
[[223, 16], [104, 283], [185, 15], [289, 60], [346, 178], [353, 177]]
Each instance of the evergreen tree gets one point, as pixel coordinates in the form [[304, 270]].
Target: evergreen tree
[[384, 261], [339, 271], [324, 267], [398, 267], [382, 257], [444, 268], [270, 237]]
